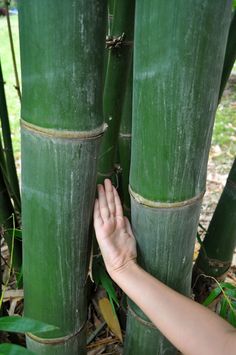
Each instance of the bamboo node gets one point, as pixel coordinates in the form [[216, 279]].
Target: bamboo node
[[55, 341], [216, 263], [64, 134], [141, 320], [163, 205], [125, 135], [113, 42]]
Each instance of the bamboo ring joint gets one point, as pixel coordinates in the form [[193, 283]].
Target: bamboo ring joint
[[141, 320], [171, 205], [55, 341], [64, 134]]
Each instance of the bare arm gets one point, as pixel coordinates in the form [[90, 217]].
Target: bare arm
[[192, 328]]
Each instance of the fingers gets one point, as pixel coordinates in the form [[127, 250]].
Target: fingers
[[103, 205], [109, 201], [118, 206], [110, 196], [96, 214]]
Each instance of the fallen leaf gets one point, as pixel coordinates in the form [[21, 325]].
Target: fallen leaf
[[110, 317]]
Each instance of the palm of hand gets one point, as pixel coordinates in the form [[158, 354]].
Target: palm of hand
[[113, 230]]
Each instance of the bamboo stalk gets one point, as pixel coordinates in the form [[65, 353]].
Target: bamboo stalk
[[125, 144], [62, 125], [7, 214], [119, 44], [8, 150], [17, 86], [178, 59], [217, 249], [216, 254], [230, 54]]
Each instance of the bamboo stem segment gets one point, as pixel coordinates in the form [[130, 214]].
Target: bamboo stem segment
[[230, 54], [62, 126], [17, 86], [217, 249], [125, 143], [120, 45], [178, 60], [8, 149]]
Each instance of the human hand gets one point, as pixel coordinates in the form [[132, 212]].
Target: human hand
[[113, 230]]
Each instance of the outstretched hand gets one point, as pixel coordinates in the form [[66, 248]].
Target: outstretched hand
[[113, 230]]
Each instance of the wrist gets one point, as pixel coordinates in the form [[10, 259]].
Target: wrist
[[119, 275]]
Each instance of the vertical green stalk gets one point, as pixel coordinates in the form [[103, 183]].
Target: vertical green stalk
[[230, 54], [17, 86], [178, 58], [217, 249], [8, 150], [119, 45], [125, 143], [62, 52]]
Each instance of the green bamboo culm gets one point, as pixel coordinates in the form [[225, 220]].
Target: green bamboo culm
[[8, 150], [230, 54], [8, 219], [178, 59], [62, 55], [125, 143], [218, 246], [119, 44], [217, 249]]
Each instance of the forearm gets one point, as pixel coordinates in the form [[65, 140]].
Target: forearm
[[188, 325]]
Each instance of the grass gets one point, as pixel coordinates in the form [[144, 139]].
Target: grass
[[224, 134]]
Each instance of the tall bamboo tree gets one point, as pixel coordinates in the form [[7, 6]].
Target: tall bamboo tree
[[8, 150], [62, 52], [217, 249], [178, 59], [120, 44], [125, 143], [230, 54], [9, 186]]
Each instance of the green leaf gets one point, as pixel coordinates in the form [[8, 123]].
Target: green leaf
[[12, 349], [17, 233], [24, 325], [101, 277], [230, 293], [212, 296], [108, 285], [227, 285], [224, 308]]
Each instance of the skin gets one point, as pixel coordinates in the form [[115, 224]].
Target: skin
[[192, 328]]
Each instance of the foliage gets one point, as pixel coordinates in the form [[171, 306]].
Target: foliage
[[12, 349], [227, 303], [102, 278], [21, 325]]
